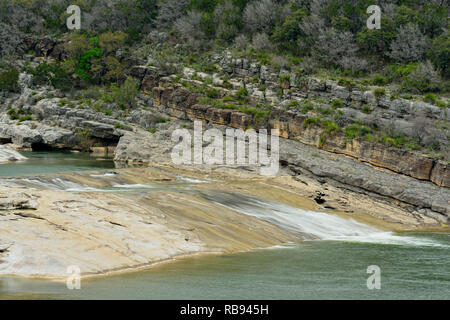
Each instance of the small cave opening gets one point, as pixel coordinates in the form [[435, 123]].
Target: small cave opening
[[5, 140], [41, 147]]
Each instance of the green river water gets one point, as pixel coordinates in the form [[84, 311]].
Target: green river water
[[413, 266]]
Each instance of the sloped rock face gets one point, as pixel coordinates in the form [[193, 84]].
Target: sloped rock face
[[7, 154], [180, 103]]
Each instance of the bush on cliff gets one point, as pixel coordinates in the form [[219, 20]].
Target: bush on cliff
[[125, 95], [51, 74], [9, 80], [356, 130]]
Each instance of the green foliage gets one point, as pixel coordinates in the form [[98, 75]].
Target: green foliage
[[314, 121], [397, 142], [342, 23], [85, 63], [336, 104], [366, 109], [330, 127], [377, 40], [125, 96], [440, 53], [9, 80], [242, 95], [430, 98], [293, 104], [212, 93], [379, 92], [348, 83], [306, 107], [25, 118], [380, 80], [51, 74], [325, 111], [289, 31], [356, 130], [423, 79], [259, 114]]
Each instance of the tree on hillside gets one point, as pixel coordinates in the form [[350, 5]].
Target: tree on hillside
[[410, 44], [169, 11], [261, 15]]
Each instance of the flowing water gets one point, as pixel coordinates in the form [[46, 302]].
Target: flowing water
[[331, 263]]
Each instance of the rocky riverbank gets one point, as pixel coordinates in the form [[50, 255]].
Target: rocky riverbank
[[95, 221], [43, 231]]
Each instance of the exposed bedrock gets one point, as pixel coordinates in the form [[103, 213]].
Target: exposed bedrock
[[181, 103]]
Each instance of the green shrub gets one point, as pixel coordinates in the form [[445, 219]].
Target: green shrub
[[13, 114], [356, 130], [348, 83], [126, 94], [379, 80], [407, 97], [397, 142], [336, 104], [25, 118], [325, 111], [9, 80], [396, 72], [379, 92], [441, 104], [259, 114], [212, 93], [293, 104], [306, 107], [330, 127], [107, 112], [423, 79], [430, 98], [53, 74], [227, 84], [440, 53], [209, 68], [314, 121], [227, 98], [242, 95], [366, 109]]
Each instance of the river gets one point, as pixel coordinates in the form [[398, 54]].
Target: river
[[331, 263]]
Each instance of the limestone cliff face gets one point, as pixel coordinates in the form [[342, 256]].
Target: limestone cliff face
[[181, 103]]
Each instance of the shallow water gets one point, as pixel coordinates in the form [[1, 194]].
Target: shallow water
[[53, 162]]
